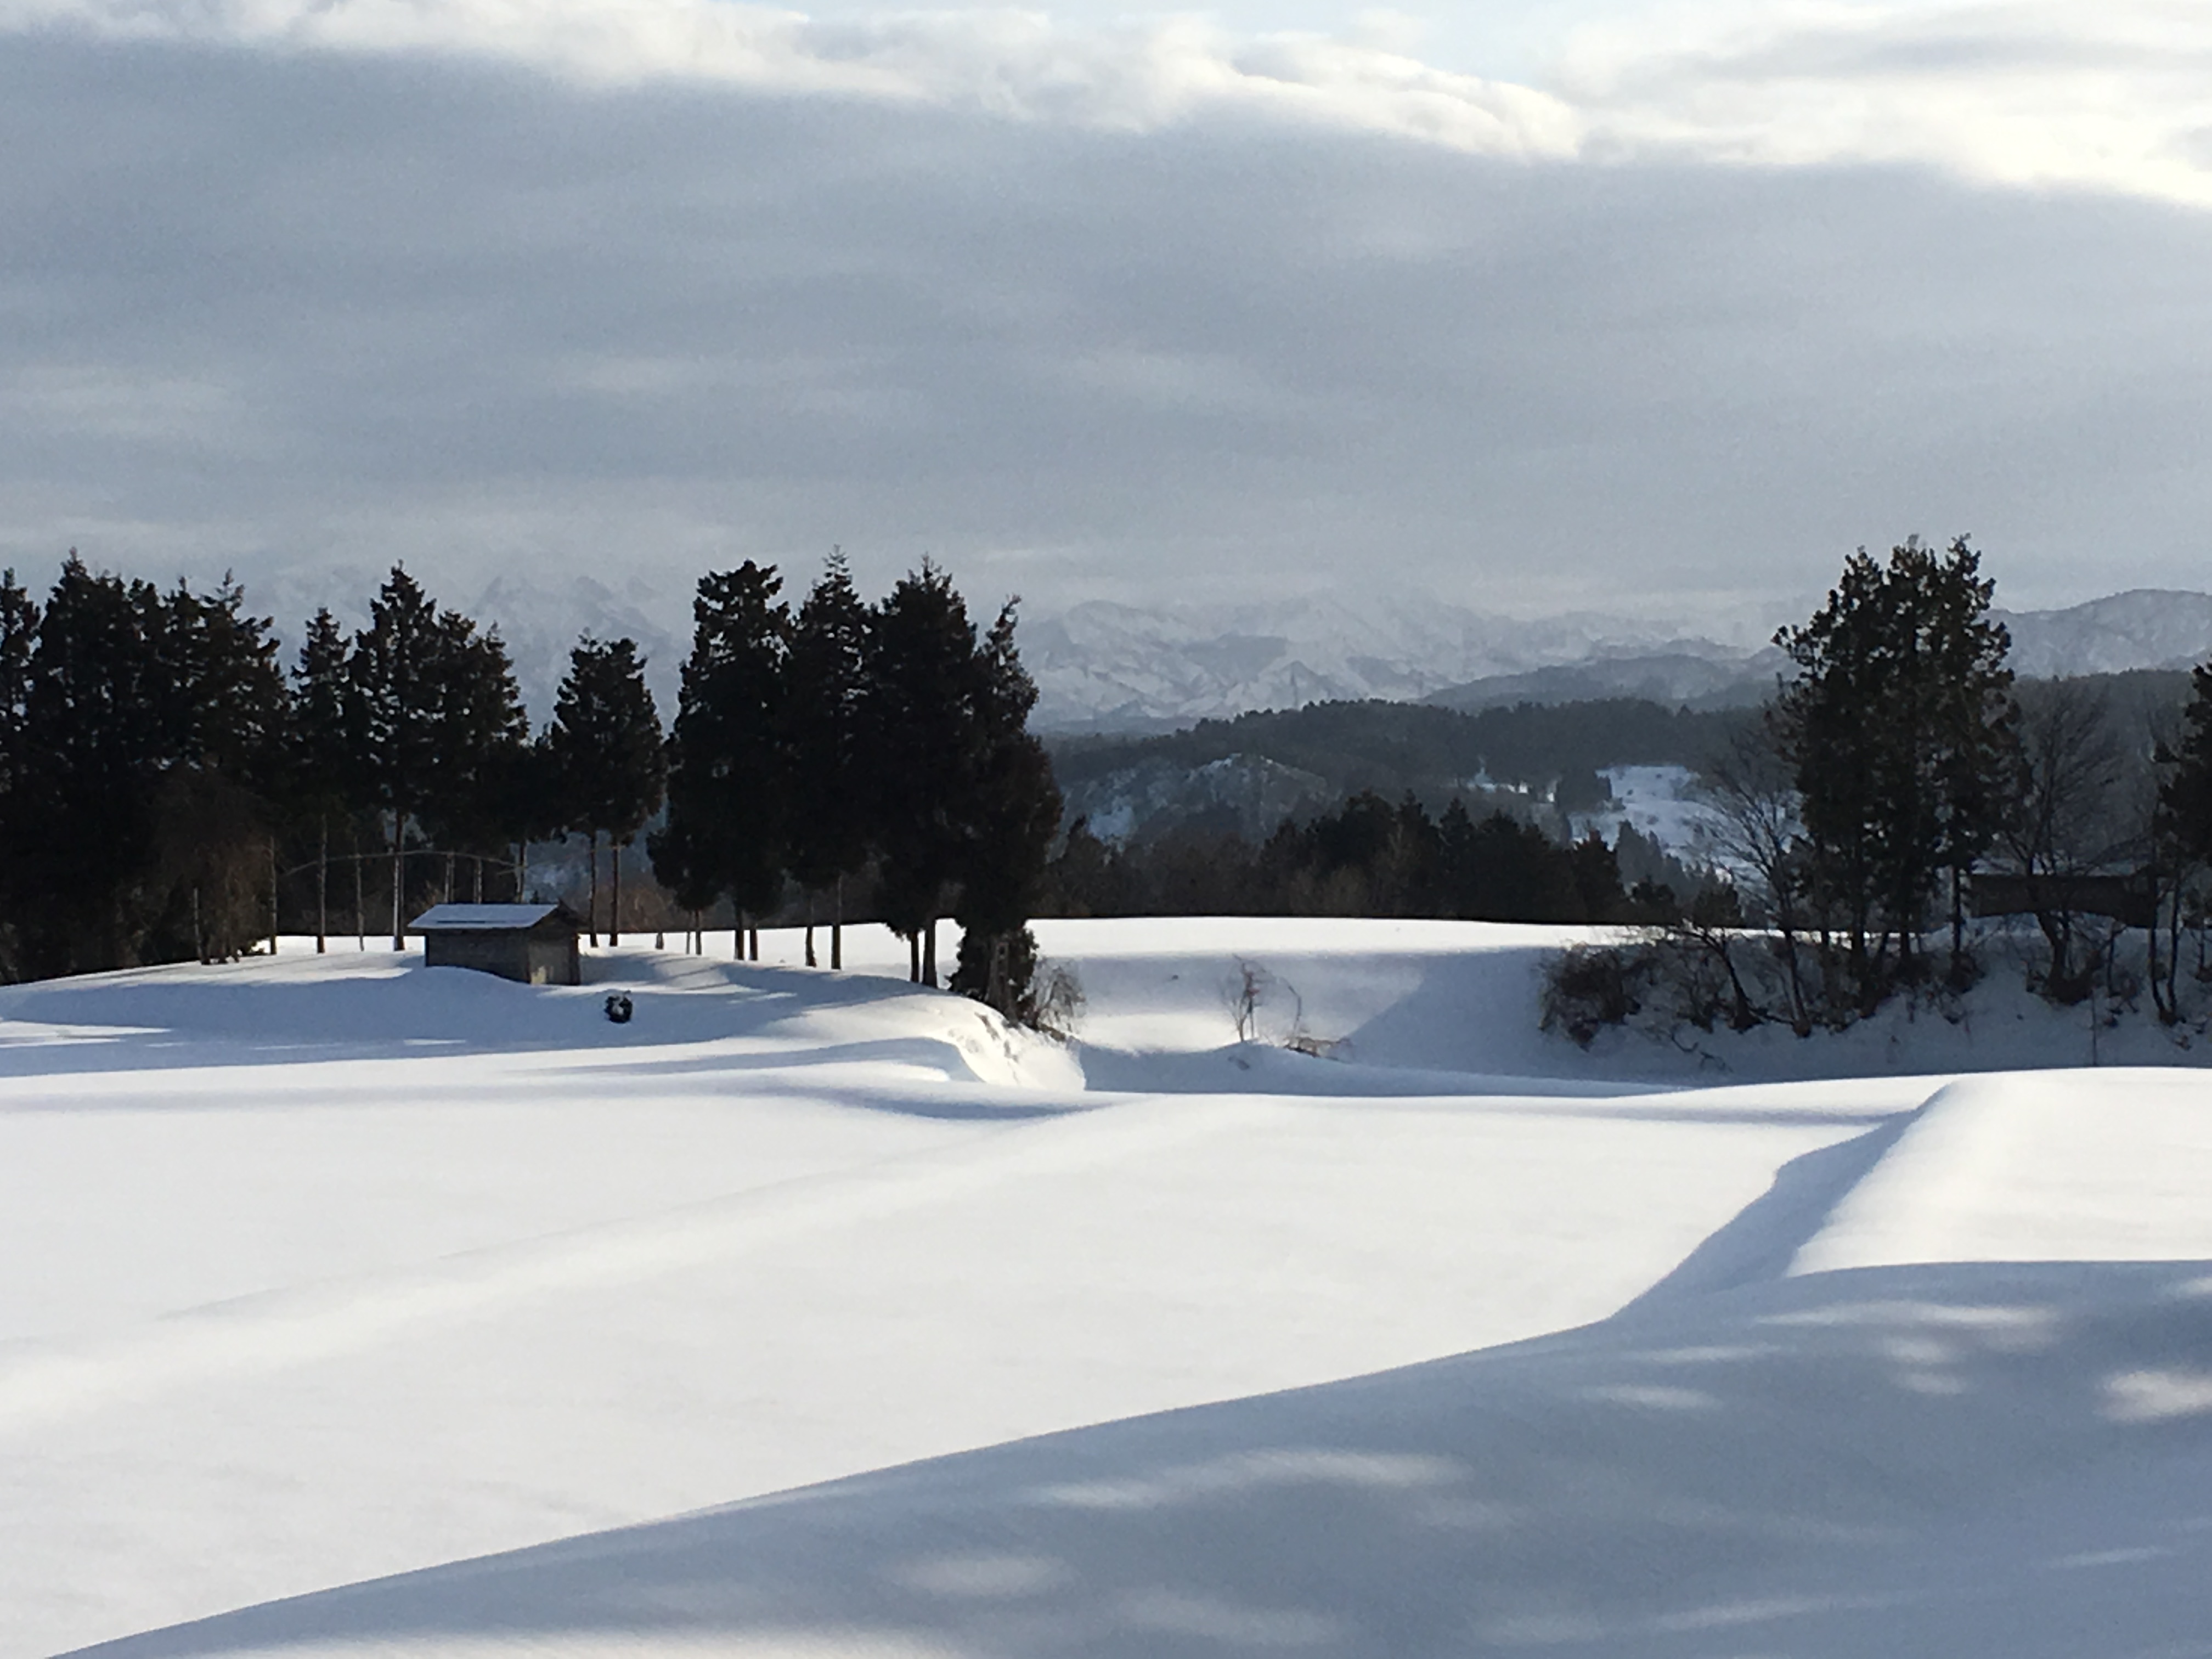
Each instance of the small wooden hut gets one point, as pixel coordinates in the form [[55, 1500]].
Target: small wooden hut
[[535, 944]]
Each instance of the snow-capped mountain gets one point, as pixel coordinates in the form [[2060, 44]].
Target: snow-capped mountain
[[538, 621], [2143, 628], [1108, 666], [1105, 666]]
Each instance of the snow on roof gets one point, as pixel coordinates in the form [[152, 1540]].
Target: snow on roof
[[481, 918]]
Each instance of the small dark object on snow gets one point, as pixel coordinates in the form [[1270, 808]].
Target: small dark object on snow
[[618, 1008]]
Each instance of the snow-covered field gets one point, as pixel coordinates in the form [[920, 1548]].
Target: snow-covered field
[[812, 1315]]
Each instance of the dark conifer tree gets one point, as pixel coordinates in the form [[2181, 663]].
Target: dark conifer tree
[[475, 810], [607, 754], [822, 742], [227, 716], [396, 665], [327, 763], [441, 721], [728, 817], [1011, 813], [922, 744], [143, 728], [1899, 729], [18, 632]]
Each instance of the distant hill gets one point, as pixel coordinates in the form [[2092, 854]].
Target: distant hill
[[1249, 773], [2145, 627], [1677, 679]]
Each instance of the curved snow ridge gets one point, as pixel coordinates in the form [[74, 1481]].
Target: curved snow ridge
[[355, 1005], [2033, 1166], [2010, 1458], [43, 1382]]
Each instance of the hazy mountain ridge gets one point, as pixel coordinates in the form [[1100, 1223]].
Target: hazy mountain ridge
[[1107, 666], [1111, 667], [2143, 627]]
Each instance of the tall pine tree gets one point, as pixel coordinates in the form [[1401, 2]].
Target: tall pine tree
[[1898, 730], [1011, 814], [440, 725], [921, 745], [607, 755], [821, 746], [727, 819]]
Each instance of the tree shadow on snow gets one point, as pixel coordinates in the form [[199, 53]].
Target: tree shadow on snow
[[1829, 1465], [135, 1022]]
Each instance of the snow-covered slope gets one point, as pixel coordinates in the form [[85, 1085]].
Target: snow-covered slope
[[321, 1268], [2143, 628], [1127, 667]]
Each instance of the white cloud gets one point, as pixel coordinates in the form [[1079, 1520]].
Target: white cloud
[[2115, 97], [1012, 62]]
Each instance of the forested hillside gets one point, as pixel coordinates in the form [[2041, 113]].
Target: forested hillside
[[1392, 747]]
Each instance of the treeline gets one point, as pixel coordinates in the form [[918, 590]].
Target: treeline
[[843, 740], [165, 784], [1370, 857]]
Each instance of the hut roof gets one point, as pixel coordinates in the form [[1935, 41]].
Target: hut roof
[[485, 918]]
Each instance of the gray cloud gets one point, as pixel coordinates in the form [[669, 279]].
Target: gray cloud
[[283, 310]]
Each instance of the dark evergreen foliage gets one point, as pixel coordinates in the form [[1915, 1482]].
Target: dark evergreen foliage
[[1898, 730], [1010, 815], [439, 728], [822, 742], [923, 743], [606, 755], [728, 814], [143, 731], [1368, 857]]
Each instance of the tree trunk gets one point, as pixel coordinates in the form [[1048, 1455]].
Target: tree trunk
[[323, 888], [737, 935], [810, 963], [614, 914], [359, 903], [476, 872], [448, 889], [398, 878], [914, 958], [837, 929], [273, 896], [929, 954], [754, 933], [593, 925]]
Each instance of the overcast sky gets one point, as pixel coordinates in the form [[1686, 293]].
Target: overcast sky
[[1540, 306]]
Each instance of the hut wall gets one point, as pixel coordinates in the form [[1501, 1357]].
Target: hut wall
[[544, 958]]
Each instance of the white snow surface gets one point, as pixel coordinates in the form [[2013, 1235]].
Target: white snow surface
[[351, 1308]]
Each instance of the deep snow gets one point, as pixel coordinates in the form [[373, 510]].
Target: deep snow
[[321, 1268]]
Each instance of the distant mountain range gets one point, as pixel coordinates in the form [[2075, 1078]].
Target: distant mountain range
[[1108, 667], [1111, 667]]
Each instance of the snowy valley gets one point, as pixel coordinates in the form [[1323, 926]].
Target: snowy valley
[[814, 1314]]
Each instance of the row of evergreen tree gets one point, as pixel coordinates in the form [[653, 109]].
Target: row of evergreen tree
[[1370, 857], [163, 779]]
